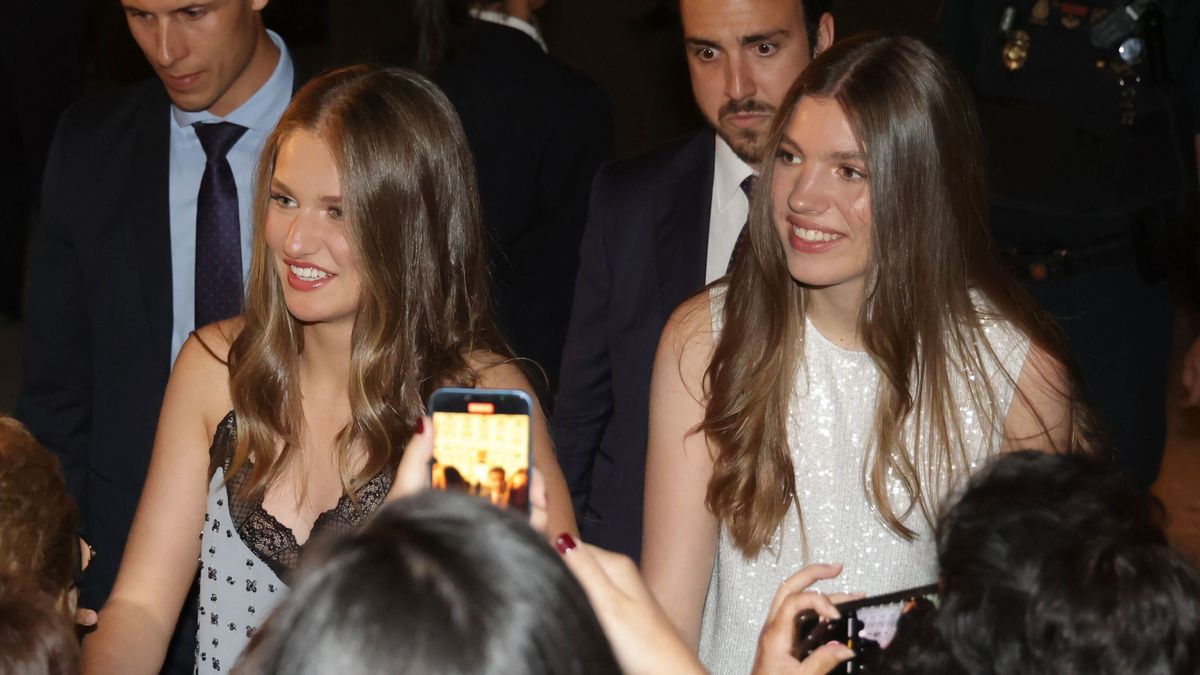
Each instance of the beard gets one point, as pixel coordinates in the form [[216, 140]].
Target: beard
[[747, 144]]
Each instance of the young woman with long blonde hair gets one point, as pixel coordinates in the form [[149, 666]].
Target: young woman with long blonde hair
[[368, 290]]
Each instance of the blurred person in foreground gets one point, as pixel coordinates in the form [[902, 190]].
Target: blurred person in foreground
[[1052, 564]]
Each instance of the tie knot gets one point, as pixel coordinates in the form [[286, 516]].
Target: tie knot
[[747, 184], [218, 138]]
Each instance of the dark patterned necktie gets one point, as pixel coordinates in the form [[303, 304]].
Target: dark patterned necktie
[[218, 230], [743, 238]]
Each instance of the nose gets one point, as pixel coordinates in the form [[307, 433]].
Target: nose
[[739, 78], [169, 45], [808, 193], [304, 235]]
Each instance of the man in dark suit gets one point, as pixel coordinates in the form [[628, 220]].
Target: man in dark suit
[[121, 271], [661, 226], [538, 130]]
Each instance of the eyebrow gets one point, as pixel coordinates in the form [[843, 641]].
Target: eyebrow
[[763, 37], [326, 199], [743, 41], [839, 155]]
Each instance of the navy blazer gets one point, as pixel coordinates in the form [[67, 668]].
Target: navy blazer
[[98, 325], [538, 131], [644, 252]]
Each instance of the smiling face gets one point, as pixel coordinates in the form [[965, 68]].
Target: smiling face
[[209, 54], [307, 233], [821, 200], [743, 55]]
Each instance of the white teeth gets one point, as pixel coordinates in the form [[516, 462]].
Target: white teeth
[[308, 273], [814, 235]]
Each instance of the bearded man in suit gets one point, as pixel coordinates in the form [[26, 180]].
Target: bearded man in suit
[[661, 226]]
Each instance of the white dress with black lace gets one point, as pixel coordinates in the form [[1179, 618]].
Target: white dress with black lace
[[246, 555]]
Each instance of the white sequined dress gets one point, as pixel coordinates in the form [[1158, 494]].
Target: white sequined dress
[[830, 434]]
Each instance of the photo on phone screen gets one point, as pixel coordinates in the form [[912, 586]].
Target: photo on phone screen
[[481, 444]]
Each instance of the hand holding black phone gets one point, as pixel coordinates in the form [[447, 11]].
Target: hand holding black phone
[[866, 626]]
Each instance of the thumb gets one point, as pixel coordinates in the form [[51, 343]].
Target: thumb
[[826, 658], [412, 475]]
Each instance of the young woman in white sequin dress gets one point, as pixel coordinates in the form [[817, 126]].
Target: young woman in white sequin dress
[[864, 356], [367, 290]]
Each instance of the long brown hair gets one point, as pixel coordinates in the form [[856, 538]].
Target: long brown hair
[[412, 211], [931, 247]]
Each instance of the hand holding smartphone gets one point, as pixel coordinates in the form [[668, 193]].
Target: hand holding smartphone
[[867, 626], [483, 444]]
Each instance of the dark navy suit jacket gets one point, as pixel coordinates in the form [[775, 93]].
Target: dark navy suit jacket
[[644, 251]]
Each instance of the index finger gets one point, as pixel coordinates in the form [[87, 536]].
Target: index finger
[[801, 580]]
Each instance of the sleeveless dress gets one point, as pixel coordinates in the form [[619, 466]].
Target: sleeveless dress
[[830, 432], [246, 555]]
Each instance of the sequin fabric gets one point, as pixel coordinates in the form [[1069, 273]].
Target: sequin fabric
[[246, 553], [830, 433]]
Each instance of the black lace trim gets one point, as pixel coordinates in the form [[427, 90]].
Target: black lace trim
[[270, 540]]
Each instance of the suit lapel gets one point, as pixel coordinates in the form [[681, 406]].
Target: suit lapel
[[681, 224], [149, 187]]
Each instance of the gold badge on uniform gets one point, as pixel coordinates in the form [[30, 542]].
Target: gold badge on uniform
[[1016, 50]]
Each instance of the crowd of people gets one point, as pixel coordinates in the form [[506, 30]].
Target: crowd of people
[[797, 371]]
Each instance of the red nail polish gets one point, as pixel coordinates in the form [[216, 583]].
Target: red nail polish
[[420, 426], [564, 543]]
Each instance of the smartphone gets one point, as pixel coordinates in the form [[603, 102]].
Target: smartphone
[[867, 626], [482, 444]]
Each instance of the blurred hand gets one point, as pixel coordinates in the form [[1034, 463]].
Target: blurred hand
[[778, 636], [84, 617], [641, 636], [412, 475], [1191, 376]]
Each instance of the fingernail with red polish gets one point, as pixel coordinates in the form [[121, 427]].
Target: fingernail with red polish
[[420, 426], [564, 543]]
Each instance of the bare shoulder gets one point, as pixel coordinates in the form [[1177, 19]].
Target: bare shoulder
[[1043, 375], [498, 372], [201, 371], [689, 331]]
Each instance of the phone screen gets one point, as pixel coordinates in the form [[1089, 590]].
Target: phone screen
[[482, 444]]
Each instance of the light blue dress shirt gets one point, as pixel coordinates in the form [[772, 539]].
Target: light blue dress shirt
[[259, 115]]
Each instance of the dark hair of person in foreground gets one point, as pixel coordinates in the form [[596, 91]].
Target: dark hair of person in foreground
[[39, 540], [438, 583], [36, 636], [1050, 564]]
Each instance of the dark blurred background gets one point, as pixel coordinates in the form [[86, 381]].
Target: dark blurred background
[[632, 48]]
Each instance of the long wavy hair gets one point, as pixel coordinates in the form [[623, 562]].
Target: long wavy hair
[[413, 218], [931, 247]]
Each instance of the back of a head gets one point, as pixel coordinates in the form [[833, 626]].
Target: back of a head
[[438, 583], [36, 637], [38, 519], [1051, 564]]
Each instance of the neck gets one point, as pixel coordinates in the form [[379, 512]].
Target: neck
[[835, 310], [325, 363], [258, 71]]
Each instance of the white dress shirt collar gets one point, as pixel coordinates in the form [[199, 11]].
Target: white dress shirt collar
[[728, 173], [512, 22]]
